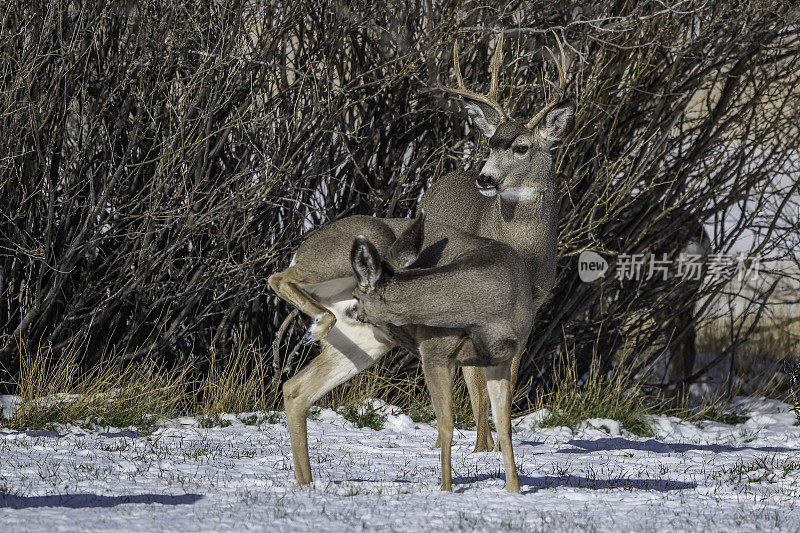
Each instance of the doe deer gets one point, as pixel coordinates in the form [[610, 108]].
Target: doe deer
[[485, 292], [514, 197], [452, 297]]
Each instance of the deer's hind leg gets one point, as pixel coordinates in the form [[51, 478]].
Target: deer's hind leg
[[438, 366], [479, 400], [512, 385], [347, 350], [439, 379], [287, 284]]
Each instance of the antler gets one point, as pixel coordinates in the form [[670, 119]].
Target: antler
[[490, 98], [559, 89]]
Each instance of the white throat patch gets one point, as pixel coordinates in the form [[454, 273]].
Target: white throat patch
[[488, 192], [523, 194]]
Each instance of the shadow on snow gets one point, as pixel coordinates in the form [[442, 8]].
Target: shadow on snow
[[652, 445], [81, 501], [530, 484]]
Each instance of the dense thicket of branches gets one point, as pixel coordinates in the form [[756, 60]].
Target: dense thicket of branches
[[158, 160]]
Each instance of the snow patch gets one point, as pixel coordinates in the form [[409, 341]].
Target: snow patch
[[183, 477], [8, 405]]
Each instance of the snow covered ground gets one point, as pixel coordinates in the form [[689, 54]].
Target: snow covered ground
[[707, 476]]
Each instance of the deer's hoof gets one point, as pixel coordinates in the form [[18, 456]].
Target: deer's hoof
[[319, 328], [303, 480]]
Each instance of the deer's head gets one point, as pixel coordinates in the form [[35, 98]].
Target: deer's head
[[519, 166], [374, 274]]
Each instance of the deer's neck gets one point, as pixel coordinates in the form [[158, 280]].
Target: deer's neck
[[529, 224]]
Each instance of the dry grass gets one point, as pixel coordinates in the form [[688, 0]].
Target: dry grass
[[57, 391], [618, 396], [623, 397], [237, 384]]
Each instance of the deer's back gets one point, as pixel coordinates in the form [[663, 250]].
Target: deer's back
[[485, 281], [325, 254]]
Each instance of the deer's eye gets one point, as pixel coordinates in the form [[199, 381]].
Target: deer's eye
[[521, 149]]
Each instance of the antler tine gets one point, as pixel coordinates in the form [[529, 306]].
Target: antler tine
[[497, 61], [559, 88], [561, 64], [459, 79], [490, 98]]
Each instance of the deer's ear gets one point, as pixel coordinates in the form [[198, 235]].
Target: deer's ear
[[558, 121], [483, 116], [408, 245], [366, 263]]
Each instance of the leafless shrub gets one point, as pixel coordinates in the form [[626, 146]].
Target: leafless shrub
[[159, 160]]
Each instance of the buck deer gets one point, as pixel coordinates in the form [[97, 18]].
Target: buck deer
[[452, 297], [513, 199]]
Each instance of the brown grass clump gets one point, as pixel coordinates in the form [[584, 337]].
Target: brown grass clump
[[59, 391]]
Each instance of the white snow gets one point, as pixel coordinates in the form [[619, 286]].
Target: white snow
[[182, 477], [8, 404]]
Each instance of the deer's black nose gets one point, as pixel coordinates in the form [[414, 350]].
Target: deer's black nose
[[486, 182]]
